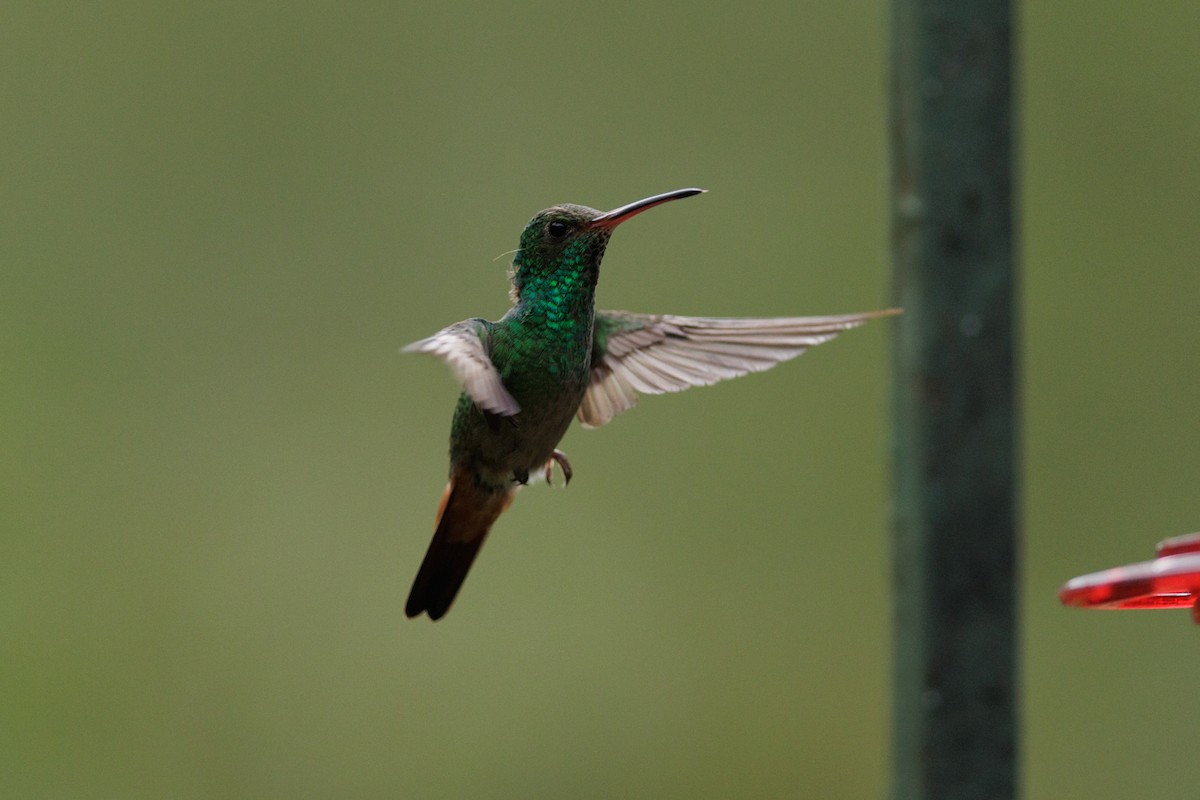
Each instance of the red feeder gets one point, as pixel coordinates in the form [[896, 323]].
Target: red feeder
[[1171, 580]]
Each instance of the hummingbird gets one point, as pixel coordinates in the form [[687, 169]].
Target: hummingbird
[[553, 357]]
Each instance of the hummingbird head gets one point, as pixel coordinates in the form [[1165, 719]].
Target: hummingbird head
[[567, 242]]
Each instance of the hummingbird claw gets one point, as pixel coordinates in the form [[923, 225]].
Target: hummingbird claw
[[521, 476], [563, 464]]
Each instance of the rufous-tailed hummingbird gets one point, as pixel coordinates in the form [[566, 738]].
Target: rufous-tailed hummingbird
[[552, 357]]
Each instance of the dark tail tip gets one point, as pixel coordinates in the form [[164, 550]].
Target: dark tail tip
[[441, 576], [467, 513]]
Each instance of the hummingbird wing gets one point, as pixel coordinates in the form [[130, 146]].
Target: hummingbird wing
[[657, 353], [464, 346]]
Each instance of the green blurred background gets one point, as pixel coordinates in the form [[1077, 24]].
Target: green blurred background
[[219, 224]]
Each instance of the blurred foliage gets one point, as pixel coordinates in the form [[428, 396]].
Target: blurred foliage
[[221, 221]]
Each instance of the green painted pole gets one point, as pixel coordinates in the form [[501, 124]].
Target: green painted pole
[[955, 538]]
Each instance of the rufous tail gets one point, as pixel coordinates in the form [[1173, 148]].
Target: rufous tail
[[464, 519]]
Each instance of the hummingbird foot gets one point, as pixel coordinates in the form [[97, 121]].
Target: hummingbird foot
[[563, 464]]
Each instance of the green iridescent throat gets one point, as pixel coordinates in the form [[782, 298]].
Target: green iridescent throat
[[556, 291]]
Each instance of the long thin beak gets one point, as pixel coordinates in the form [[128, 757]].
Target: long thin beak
[[611, 219]]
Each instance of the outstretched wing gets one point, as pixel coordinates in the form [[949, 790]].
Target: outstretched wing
[[656, 353], [464, 348]]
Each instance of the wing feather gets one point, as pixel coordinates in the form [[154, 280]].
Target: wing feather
[[464, 348], [653, 354]]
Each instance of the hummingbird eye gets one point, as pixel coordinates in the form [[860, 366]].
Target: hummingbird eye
[[557, 228]]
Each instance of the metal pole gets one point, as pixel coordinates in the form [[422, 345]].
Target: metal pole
[[955, 543]]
